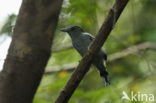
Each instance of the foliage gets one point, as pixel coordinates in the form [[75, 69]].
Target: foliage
[[132, 73], [8, 25]]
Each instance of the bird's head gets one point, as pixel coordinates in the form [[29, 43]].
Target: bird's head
[[72, 29]]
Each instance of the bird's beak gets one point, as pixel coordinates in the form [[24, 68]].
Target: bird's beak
[[65, 29]]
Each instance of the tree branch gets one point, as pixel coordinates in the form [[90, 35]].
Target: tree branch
[[57, 69], [95, 46], [62, 48], [112, 57], [132, 50]]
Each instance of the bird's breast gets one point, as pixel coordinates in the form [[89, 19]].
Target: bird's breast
[[81, 46]]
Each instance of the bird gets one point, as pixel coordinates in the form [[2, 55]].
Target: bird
[[81, 41]]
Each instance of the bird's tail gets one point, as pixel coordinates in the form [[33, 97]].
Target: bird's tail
[[104, 75], [106, 80]]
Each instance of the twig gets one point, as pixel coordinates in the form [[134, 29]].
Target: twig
[[85, 63], [57, 69], [61, 48], [132, 50], [112, 57]]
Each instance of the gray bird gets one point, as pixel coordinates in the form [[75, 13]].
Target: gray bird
[[81, 41]]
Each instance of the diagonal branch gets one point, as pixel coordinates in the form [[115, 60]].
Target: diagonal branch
[[85, 63]]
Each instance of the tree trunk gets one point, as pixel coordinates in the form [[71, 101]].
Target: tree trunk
[[29, 50]]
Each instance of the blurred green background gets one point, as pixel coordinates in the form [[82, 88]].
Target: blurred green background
[[134, 72]]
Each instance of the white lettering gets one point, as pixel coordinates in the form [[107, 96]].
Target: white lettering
[[151, 97], [133, 96], [138, 96], [144, 96]]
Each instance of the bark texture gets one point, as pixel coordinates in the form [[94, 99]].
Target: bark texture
[[85, 63], [29, 50]]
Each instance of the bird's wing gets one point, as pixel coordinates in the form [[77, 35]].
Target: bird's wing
[[102, 52], [89, 35]]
